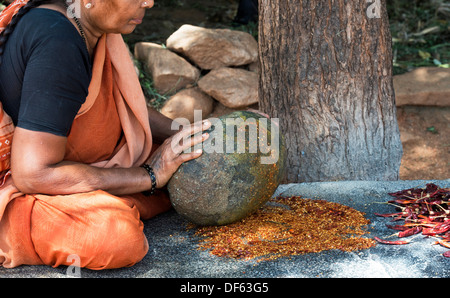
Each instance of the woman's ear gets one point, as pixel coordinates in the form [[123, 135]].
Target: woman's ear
[[88, 3]]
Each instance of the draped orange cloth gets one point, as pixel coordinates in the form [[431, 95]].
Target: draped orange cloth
[[111, 130]]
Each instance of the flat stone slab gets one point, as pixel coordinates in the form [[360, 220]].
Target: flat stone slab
[[424, 86], [173, 249]]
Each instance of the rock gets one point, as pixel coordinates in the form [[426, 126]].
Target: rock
[[427, 86], [223, 185], [214, 48], [220, 110], [169, 71], [185, 102], [233, 87], [254, 67]]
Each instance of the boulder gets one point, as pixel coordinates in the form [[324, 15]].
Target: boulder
[[185, 102], [169, 71], [220, 110], [214, 48], [425, 86], [233, 87], [255, 67], [237, 173]]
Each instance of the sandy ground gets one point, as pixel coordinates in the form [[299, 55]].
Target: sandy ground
[[425, 134]]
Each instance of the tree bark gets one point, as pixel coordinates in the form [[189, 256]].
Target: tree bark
[[326, 73]]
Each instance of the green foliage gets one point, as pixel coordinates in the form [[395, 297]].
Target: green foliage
[[420, 33], [3, 5], [432, 129], [251, 28]]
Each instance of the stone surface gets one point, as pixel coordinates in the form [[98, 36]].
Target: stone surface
[[255, 67], [214, 48], [220, 110], [224, 185], [169, 71], [233, 87], [174, 249], [427, 86], [185, 102]]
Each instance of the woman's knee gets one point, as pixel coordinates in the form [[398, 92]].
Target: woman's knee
[[104, 236], [126, 242]]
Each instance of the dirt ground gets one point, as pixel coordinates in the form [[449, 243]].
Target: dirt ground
[[425, 131], [425, 134]]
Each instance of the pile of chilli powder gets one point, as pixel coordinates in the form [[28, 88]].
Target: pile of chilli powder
[[288, 226]]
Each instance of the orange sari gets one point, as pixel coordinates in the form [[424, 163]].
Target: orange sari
[[111, 130]]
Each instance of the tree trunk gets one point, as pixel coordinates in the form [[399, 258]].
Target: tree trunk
[[326, 73]]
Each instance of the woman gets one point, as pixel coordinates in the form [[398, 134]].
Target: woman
[[82, 153]]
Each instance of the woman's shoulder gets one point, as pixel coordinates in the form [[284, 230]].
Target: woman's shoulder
[[43, 23], [45, 32]]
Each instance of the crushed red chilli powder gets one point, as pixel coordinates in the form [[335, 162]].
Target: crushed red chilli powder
[[285, 227]]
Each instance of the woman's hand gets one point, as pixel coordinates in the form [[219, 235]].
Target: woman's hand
[[169, 156]]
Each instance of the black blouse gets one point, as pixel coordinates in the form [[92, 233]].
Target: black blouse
[[45, 72]]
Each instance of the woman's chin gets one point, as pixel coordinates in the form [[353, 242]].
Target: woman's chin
[[128, 29]]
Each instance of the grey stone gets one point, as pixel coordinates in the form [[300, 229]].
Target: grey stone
[[223, 185]]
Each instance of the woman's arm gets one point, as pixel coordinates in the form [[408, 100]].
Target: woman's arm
[[37, 165], [160, 125]]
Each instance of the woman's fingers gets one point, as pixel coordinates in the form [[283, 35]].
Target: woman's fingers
[[169, 156], [194, 140], [190, 136], [188, 156]]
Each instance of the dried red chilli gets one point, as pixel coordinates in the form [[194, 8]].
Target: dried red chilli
[[293, 226], [398, 227], [410, 232], [390, 242], [423, 210]]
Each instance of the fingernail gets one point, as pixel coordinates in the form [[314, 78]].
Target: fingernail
[[206, 122], [205, 135], [198, 151]]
